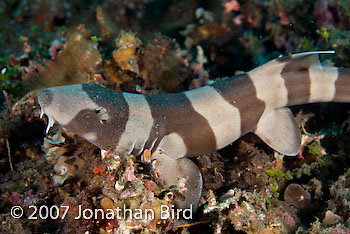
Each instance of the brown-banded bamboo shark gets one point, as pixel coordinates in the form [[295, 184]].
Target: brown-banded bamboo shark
[[180, 125]]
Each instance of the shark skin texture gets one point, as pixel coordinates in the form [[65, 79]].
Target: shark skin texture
[[177, 126]]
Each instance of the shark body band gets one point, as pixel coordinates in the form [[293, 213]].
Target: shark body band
[[180, 125]]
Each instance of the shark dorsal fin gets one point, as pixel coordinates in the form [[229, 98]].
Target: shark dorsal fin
[[304, 60], [278, 129]]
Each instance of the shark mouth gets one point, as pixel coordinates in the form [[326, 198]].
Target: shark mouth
[[50, 123]]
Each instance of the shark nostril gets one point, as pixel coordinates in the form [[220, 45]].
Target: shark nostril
[[45, 97]]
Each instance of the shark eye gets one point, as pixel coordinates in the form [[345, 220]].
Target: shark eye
[[102, 114], [100, 110]]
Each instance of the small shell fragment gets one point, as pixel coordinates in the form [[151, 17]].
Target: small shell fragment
[[331, 218]]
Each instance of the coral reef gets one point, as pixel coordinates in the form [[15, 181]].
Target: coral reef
[[340, 192], [153, 47]]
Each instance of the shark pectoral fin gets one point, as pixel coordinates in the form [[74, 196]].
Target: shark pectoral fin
[[194, 183], [279, 130], [172, 169]]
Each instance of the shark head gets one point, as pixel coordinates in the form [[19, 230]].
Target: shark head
[[95, 113]]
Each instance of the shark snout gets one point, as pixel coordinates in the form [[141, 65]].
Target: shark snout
[[45, 98]]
